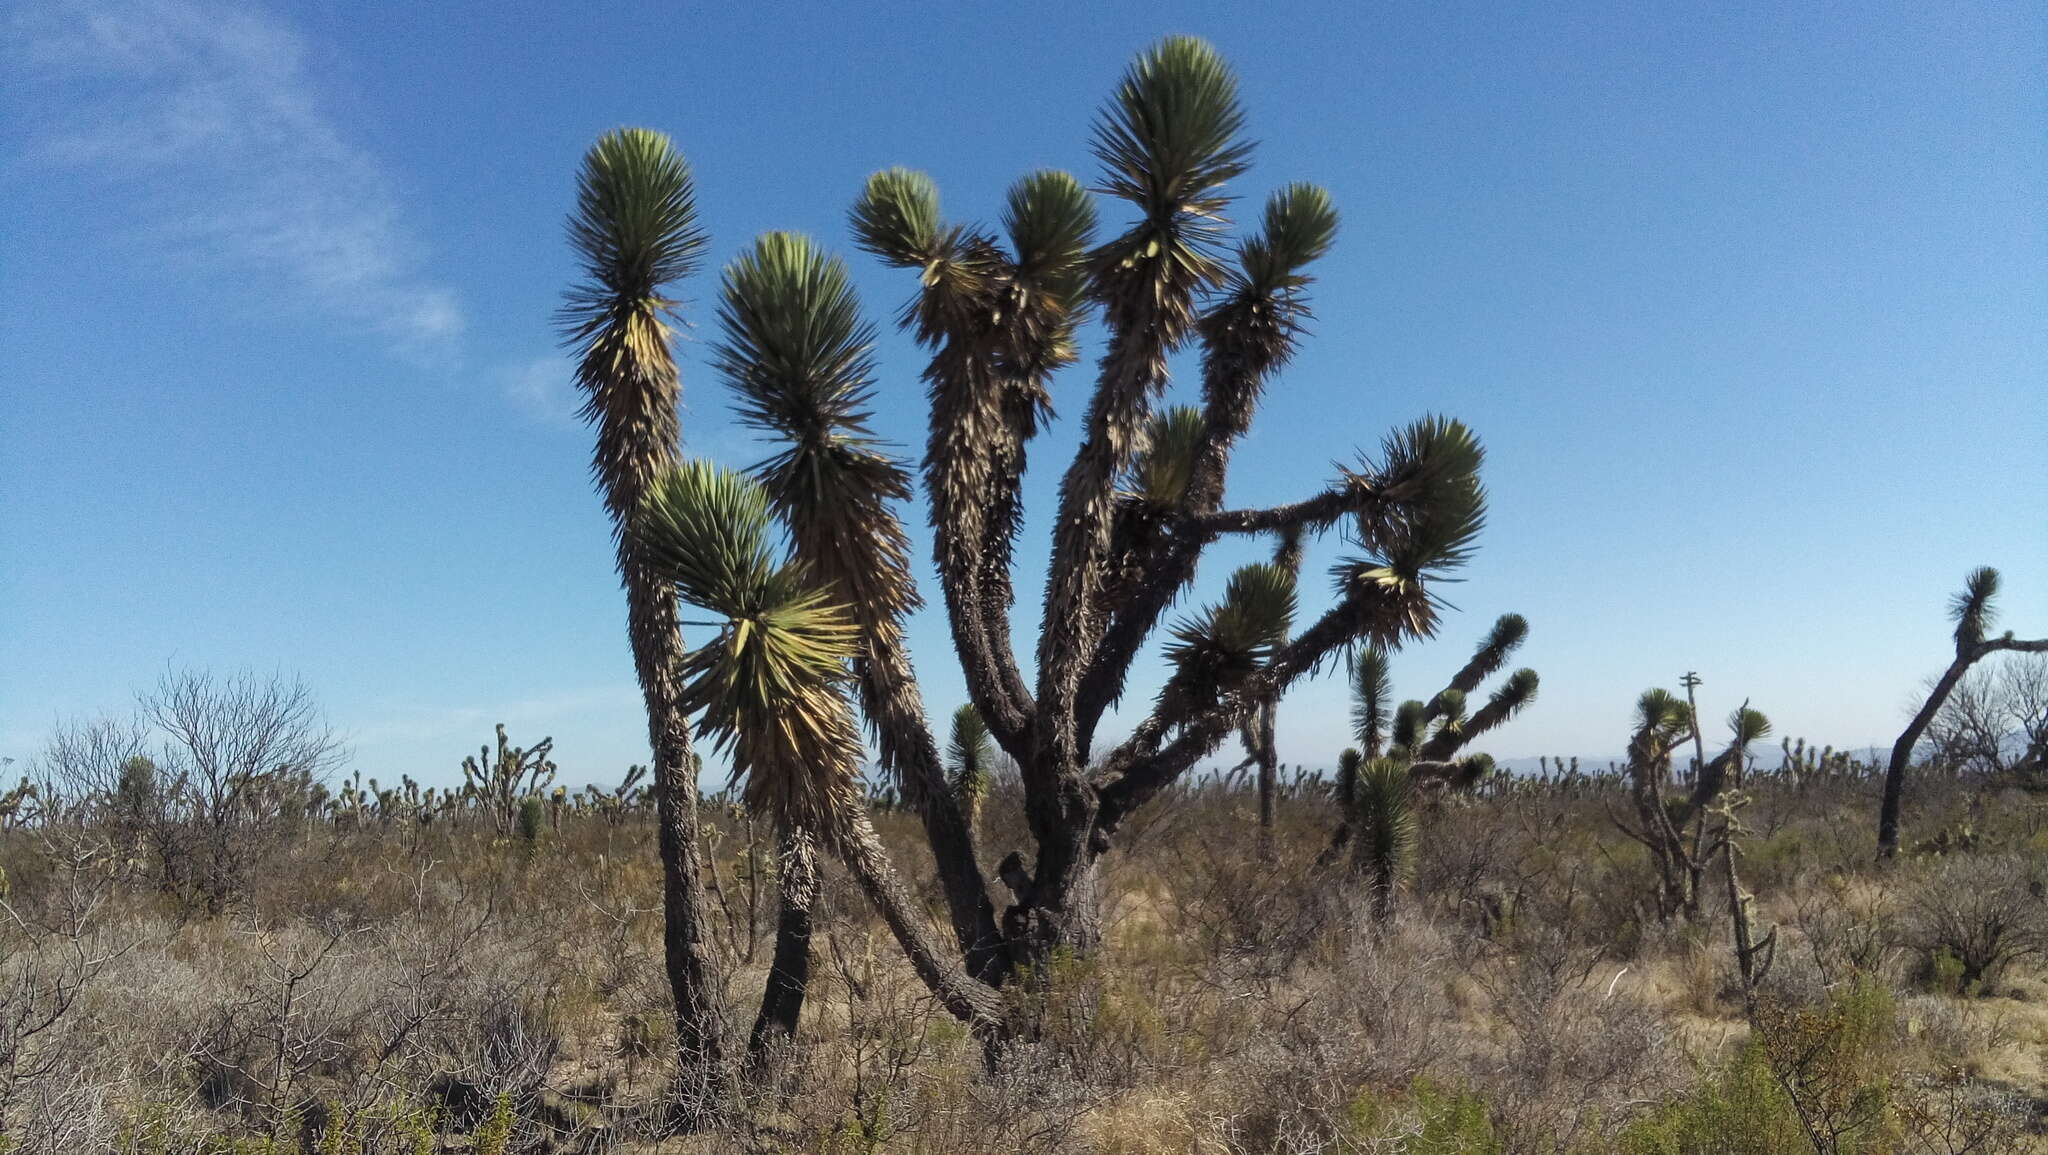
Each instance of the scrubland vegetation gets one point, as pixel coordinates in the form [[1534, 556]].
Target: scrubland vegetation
[[378, 974]]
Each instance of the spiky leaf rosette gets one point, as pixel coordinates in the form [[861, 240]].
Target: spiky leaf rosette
[[1050, 220], [1160, 476], [1406, 732], [1229, 641], [634, 232], [1972, 609], [1748, 727], [1372, 698], [1661, 711], [1662, 719], [768, 689], [1252, 329], [1168, 142], [1427, 504], [707, 530], [1510, 699], [1507, 635], [969, 754], [1513, 696], [897, 217], [800, 358], [1472, 770], [1300, 226]]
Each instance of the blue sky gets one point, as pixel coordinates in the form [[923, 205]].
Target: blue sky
[[1750, 307]]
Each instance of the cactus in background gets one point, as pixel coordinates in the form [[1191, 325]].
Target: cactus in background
[[498, 786], [1675, 830], [614, 806], [17, 806], [970, 758]]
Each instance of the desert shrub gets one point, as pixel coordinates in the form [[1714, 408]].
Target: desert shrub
[[1958, 1116], [1835, 1062], [1849, 926], [1982, 912], [1579, 1054]]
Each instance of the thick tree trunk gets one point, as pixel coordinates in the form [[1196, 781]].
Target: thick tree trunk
[[1058, 907], [703, 1078], [1268, 759], [1902, 753], [789, 975], [972, 1002]]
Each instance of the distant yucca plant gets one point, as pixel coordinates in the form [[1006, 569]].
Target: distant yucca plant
[[1383, 818], [532, 813], [972, 756]]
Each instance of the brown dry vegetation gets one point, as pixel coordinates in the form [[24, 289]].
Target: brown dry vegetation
[[393, 986]]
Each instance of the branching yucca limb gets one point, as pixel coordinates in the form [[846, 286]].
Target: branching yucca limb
[[635, 233], [799, 357], [769, 693]]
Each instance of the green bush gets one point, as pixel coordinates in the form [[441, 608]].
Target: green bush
[[1425, 1121], [1805, 1070]]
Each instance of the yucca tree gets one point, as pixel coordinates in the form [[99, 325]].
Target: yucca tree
[[1663, 722], [998, 311], [1973, 611], [769, 693], [1142, 499], [1427, 735], [1372, 697], [635, 234], [1511, 698]]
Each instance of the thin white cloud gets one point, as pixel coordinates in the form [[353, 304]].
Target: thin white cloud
[[202, 124], [544, 389]]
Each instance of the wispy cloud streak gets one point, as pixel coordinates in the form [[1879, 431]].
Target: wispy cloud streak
[[201, 121]]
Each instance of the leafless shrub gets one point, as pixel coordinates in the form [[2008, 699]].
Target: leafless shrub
[[1958, 1116], [1996, 718], [1981, 911]]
